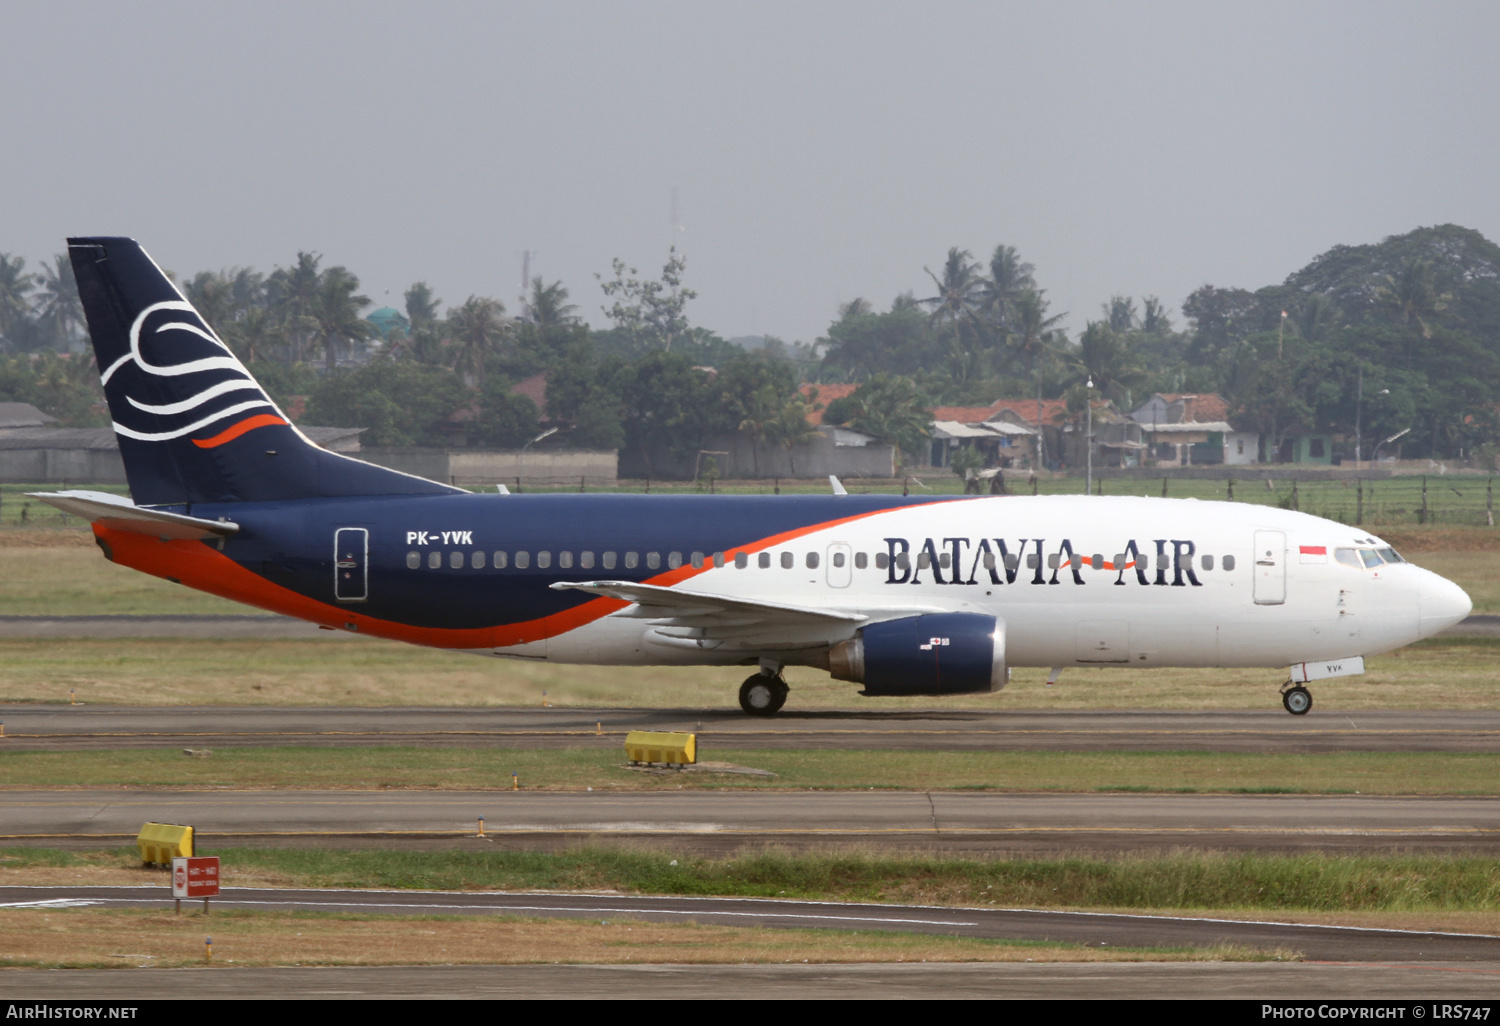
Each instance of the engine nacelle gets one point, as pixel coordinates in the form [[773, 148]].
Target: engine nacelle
[[932, 654]]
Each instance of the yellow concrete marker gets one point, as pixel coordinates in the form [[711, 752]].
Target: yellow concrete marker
[[162, 842], [675, 748]]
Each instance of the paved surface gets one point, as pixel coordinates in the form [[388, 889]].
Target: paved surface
[[61, 727], [1090, 929], [266, 625], [226, 816], [1110, 981]]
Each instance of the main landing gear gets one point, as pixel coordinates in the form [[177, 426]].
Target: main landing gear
[[763, 694], [1297, 699]]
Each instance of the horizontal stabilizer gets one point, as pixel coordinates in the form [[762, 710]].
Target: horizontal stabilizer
[[124, 515]]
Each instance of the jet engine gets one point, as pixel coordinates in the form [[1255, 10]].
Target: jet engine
[[932, 654]]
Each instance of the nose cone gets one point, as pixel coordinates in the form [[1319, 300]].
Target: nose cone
[[1440, 605]]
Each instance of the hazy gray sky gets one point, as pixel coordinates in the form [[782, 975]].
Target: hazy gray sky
[[821, 150]]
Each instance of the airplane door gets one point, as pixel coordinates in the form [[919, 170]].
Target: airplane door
[[840, 568], [351, 564], [1270, 568]]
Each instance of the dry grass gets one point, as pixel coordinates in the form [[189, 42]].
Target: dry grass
[[79, 938], [601, 767]]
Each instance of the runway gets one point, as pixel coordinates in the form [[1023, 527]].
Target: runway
[[64, 727], [1087, 928], [1108, 981], [225, 817]]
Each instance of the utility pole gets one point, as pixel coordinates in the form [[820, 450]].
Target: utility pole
[[1088, 481]]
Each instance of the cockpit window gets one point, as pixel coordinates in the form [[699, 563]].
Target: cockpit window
[[1371, 557], [1391, 556], [1348, 557]]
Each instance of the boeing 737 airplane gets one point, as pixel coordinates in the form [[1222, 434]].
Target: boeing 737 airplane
[[906, 596]]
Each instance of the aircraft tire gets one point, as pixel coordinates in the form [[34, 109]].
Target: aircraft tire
[[763, 695], [1297, 700]]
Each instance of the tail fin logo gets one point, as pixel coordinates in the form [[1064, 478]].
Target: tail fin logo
[[178, 370]]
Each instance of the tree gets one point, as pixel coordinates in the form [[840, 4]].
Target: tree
[[15, 304], [398, 403], [1009, 277], [956, 310], [753, 393], [650, 313], [1411, 295], [59, 310], [506, 420], [892, 410], [665, 406], [336, 314], [477, 329], [293, 294], [788, 426]]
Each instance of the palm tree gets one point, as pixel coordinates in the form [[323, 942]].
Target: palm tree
[[549, 307], [1154, 319], [1120, 315], [15, 307], [1031, 340], [477, 328], [1413, 297], [856, 307], [293, 293], [59, 310], [789, 428], [336, 313], [957, 306], [1009, 277]]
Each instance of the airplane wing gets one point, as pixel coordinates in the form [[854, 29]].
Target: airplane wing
[[122, 514], [703, 620]]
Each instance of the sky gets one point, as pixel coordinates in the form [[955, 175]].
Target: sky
[[818, 151]]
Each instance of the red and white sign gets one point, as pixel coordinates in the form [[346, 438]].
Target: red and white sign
[[195, 877]]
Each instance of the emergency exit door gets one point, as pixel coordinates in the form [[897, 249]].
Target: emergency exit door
[[351, 564]]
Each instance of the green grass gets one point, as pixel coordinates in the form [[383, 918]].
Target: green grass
[[1456, 673], [1417, 773], [1181, 881]]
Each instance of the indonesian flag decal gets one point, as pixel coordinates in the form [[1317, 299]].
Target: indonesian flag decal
[[1313, 553]]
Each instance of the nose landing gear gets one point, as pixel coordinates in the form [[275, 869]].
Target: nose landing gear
[[763, 694], [1297, 699]]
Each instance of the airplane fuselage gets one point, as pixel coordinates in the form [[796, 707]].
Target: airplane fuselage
[[1076, 580]]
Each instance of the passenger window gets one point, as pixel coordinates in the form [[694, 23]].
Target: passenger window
[[543, 560], [413, 561], [741, 560], [565, 559], [861, 560], [1032, 561], [523, 560], [674, 560], [1228, 562], [812, 560], [632, 560], [764, 561], [838, 560], [499, 561], [1371, 557], [989, 561], [787, 560], [1052, 561], [718, 559], [653, 561], [945, 560], [456, 560], [882, 561], [609, 560], [586, 560], [1120, 560], [903, 561], [1012, 563], [1098, 561], [434, 560], [923, 561], [1208, 562], [476, 560], [697, 560]]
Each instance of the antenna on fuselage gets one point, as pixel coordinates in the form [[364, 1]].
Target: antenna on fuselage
[[838, 488], [502, 490]]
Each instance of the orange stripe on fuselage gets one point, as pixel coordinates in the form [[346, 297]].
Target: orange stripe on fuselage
[[200, 566], [234, 431]]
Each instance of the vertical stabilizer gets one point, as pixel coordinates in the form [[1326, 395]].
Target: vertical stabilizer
[[192, 424]]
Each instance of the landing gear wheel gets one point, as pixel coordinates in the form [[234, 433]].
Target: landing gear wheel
[[763, 695], [1297, 700]]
